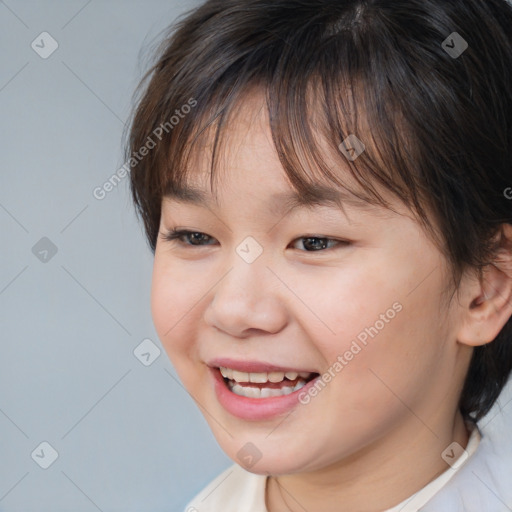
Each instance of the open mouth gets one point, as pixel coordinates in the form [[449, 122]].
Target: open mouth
[[264, 384]]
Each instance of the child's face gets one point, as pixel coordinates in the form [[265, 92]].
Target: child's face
[[305, 305]]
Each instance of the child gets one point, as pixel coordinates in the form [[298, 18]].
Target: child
[[325, 185]]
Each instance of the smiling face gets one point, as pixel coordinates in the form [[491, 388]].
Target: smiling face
[[260, 286]]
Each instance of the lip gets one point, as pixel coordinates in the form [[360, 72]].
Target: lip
[[253, 366], [255, 409]]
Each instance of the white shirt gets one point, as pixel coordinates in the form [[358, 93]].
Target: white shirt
[[237, 490], [417, 500]]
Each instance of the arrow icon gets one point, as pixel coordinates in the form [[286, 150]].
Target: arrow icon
[[249, 250], [454, 45], [44, 455], [249, 455], [146, 352], [44, 250], [454, 455], [44, 45], [352, 147]]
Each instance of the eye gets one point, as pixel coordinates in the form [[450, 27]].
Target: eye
[[198, 239], [194, 237], [315, 244]]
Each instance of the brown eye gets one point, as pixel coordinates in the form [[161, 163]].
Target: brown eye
[[316, 244], [193, 238]]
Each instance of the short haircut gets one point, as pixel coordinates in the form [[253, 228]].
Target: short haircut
[[435, 116]]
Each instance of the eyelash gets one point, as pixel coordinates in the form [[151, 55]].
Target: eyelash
[[177, 235]]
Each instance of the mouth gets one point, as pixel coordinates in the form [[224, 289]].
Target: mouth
[[259, 391], [261, 385]]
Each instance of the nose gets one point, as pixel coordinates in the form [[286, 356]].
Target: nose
[[248, 301]]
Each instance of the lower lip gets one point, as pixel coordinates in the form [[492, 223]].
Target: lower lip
[[254, 409]]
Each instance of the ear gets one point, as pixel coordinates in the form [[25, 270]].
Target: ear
[[487, 304]]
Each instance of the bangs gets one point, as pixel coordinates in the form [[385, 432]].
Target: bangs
[[316, 99]]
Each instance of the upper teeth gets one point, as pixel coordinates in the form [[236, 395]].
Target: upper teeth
[[261, 378]]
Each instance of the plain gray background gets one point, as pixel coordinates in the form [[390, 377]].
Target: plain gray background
[[128, 436]]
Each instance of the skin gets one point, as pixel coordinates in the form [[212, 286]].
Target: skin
[[382, 423]]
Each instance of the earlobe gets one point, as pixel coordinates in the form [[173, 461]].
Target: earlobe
[[489, 300]]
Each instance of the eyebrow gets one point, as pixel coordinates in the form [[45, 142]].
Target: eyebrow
[[321, 195]]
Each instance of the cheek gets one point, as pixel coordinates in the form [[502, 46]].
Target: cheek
[[162, 300], [385, 365], [347, 304], [370, 326], [172, 308]]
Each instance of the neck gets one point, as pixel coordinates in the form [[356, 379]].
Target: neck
[[380, 477]]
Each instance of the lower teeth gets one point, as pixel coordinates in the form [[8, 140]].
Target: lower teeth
[[256, 392]]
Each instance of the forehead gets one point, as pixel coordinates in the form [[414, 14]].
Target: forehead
[[244, 143], [283, 201]]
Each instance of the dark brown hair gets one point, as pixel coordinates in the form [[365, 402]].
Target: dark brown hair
[[437, 125]]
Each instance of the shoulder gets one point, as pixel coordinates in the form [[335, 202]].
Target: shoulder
[[234, 490]]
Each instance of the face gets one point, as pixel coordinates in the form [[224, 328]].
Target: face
[[342, 306]]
